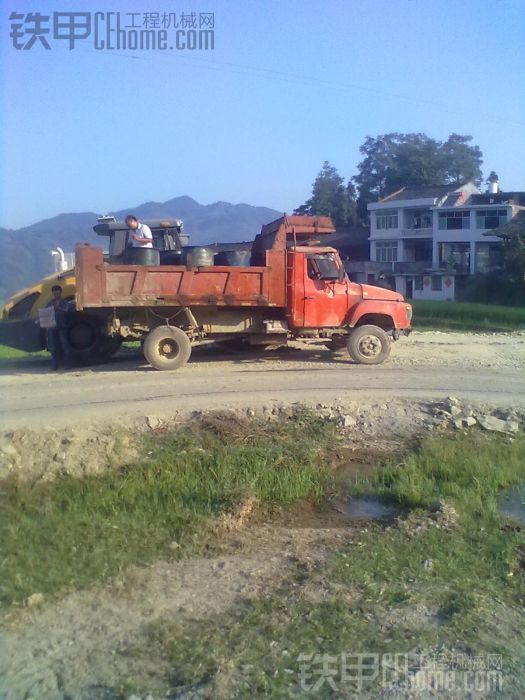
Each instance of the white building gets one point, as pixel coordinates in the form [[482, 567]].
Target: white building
[[429, 240]]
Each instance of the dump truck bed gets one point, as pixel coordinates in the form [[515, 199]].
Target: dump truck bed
[[100, 284]]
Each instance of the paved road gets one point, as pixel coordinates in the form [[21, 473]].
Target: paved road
[[31, 396]]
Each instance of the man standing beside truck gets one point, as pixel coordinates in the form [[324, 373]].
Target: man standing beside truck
[[140, 234], [56, 335]]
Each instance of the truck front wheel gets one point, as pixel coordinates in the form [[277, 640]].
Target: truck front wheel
[[368, 345], [167, 347]]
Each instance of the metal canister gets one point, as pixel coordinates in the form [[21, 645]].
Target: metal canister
[[199, 257], [141, 256], [239, 258]]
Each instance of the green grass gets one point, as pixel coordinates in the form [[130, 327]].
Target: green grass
[[71, 533], [7, 353], [469, 469], [475, 588], [462, 316], [469, 473]]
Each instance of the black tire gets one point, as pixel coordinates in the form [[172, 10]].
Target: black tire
[[84, 338], [368, 345], [87, 343], [167, 347]]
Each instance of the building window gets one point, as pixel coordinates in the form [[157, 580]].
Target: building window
[[418, 283], [386, 219], [453, 220], [419, 251], [490, 218], [488, 256], [386, 251], [437, 283], [420, 220], [455, 256]]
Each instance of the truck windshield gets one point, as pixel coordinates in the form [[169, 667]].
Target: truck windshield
[[323, 267]]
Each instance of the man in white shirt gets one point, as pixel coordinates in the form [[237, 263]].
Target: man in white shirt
[[140, 235]]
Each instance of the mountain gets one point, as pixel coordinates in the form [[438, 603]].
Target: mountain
[[26, 252]]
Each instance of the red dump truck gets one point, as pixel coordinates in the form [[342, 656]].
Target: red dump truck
[[294, 289]]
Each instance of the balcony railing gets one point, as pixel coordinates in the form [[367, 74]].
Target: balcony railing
[[416, 232], [416, 268]]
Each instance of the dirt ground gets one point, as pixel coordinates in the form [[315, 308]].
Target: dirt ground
[[469, 350], [78, 647], [81, 643], [477, 367], [84, 644]]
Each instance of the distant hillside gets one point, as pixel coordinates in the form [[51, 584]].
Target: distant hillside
[[26, 252]]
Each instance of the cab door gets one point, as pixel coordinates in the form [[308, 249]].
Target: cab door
[[325, 291]]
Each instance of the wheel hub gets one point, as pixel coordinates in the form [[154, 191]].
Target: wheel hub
[[168, 348], [81, 336], [369, 346]]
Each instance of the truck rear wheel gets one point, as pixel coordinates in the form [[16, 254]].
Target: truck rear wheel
[[167, 347], [86, 341], [368, 345]]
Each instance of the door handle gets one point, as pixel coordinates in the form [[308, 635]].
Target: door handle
[[308, 297]]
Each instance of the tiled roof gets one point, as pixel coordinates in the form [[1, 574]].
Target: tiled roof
[[498, 198], [434, 192]]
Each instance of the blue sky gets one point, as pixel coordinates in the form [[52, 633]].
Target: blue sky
[[289, 85]]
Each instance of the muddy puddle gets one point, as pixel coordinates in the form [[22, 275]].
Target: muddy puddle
[[366, 507], [512, 503], [370, 508]]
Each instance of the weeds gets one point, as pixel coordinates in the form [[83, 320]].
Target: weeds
[[71, 533], [460, 589], [392, 589]]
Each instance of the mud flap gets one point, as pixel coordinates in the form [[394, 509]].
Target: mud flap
[[23, 335]]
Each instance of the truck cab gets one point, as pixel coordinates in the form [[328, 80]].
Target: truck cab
[[318, 288]]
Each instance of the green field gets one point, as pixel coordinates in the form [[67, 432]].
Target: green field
[[12, 354], [463, 316]]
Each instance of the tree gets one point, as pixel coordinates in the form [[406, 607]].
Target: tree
[[416, 163], [374, 168], [512, 235], [513, 250], [331, 197], [493, 177], [461, 161], [396, 160]]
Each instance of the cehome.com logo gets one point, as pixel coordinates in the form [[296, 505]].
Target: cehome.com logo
[[115, 31]]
